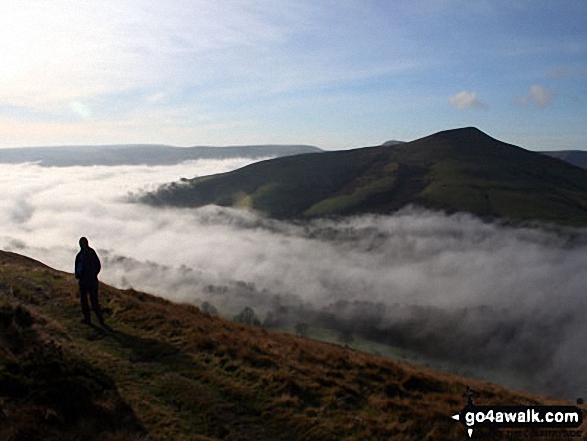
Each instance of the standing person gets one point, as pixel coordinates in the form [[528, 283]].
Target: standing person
[[87, 267]]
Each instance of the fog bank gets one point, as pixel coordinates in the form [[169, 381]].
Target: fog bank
[[492, 296]]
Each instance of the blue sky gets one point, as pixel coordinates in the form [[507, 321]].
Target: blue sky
[[336, 74]]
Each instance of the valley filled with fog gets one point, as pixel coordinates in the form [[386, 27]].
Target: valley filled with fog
[[487, 296]]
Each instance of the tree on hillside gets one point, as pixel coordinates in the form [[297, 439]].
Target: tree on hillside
[[302, 329], [248, 317], [209, 308], [345, 336]]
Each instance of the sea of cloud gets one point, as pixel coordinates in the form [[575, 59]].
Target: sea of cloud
[[497, 297]]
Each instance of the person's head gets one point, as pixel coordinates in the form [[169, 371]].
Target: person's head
[[83, 242]]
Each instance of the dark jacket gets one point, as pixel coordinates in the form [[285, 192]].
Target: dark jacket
[[87, 265]]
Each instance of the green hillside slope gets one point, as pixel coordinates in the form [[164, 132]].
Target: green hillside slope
[[575, 157], [455, 170], [165, 371]]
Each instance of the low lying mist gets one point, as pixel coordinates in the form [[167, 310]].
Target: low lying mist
[[504, 303]]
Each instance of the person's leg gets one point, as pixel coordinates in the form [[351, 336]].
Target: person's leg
[[95, 302], [83, 295]]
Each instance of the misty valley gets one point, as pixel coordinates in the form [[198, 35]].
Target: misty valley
[[252, 220], [486, 299]]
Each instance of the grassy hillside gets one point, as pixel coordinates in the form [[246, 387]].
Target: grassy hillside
[[456, 170], [575, 157], [165, 371]]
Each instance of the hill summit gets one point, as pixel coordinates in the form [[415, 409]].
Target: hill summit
[[454, 170]]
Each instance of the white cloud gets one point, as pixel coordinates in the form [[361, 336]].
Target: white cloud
[[156, 97], [239, 58], [81, 109], [64, 51], [467, 100], [538, 96]]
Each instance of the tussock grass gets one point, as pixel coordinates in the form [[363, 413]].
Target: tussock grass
[[168, 371]]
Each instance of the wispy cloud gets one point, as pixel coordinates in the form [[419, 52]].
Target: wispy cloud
[[81, 109], [467, 100], [156, 97], [65, 52], [238, 58], [538, 96]]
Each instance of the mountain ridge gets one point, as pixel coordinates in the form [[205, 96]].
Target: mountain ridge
[[575, 157], [142, 154], [453, 170]]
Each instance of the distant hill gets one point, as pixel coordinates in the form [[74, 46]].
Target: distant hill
[[575, 157], [392, 142], [165, 371], [142, 154], [455, 170]]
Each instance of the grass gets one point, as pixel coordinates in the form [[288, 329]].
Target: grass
[[358, 343], [166, 371], [344, 203], [402, 353], [456, 170]]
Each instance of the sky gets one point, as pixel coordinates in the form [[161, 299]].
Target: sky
[[336, 74]]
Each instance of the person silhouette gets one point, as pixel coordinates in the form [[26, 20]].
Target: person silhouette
[[87, 267]]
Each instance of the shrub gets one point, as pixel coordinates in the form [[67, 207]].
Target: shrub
[[248, 317]]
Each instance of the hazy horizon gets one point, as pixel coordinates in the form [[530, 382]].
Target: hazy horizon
[[391, 139]]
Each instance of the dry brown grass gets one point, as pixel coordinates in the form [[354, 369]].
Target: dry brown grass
[[187, 375]]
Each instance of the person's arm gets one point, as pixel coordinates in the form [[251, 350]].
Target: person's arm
[[78, 267], [98, 264]]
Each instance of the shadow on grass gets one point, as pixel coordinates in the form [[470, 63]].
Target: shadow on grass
[[51, 392], [143, 349]]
